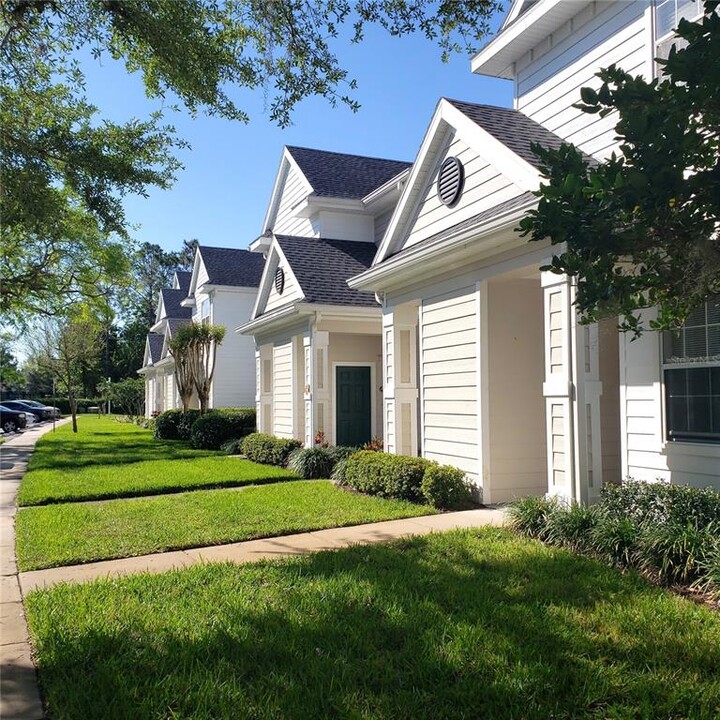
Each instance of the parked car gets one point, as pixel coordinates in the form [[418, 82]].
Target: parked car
[[12, 420], [39, 414], [52, 410]]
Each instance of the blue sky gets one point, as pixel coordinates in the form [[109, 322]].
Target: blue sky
[[221, 196]]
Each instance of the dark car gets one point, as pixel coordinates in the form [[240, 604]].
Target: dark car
[[52, 411], [39, 414], [12, 420]]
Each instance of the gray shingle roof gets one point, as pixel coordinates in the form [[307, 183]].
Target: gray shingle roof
[[525, 198], [174, 323], [511, 128], [155, 343], [183, 279], [339, 175], [171, 301], [229, 266], [323, 267]]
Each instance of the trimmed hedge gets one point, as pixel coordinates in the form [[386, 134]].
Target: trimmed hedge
[[671, 532], [268, 449], [213, 429], [175, 424], [405, 478]]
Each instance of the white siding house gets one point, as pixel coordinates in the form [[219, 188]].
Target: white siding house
[[485, 365], [318, 342]]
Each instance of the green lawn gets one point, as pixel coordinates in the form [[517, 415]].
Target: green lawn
[[74, 533], [462, 625], [143, 478]]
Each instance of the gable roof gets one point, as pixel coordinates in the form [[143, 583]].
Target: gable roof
[[322, 268], [510, 127], [229, 266], [155, 345], [333, 174], [171, 300], [183, 279], [174, 323]]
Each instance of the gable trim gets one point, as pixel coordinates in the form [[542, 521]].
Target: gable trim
[[268, 278], [446, 119], [287, 162]]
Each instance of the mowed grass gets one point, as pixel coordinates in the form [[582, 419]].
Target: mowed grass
[[40, 487], [73, 533], [472, 624], [101, 440]]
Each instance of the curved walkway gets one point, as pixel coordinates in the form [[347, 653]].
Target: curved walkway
[[19, 695]]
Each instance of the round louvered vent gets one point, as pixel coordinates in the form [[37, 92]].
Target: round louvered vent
[[450, 181], [279, 281]]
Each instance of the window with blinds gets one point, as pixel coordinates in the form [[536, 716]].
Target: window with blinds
[[691, 373]]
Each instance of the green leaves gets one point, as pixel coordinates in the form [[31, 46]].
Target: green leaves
[[641, 228]]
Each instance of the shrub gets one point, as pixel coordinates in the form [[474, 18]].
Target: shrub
[[530, 515], [211, 430], [444, 486], [676, 553], [185, 422], [615, 540], [392, 476], [311, 463], [233, 447], [571, 526], [166, 425], [341, 452], [338, 474], [268, 449]]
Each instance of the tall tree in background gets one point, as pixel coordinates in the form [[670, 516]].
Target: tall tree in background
[[11, 377], [65, 348], [642, 228], [66, 170]]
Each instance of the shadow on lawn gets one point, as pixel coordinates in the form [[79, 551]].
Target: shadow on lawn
[[424, 628]]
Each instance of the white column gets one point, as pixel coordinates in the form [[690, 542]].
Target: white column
[[321, 386], [401, 381], [308, 389]]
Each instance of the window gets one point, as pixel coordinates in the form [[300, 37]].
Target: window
[[668, 14], [691, 371], [205, 311]]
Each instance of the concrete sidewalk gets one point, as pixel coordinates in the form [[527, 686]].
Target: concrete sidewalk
[[254, 550], [19, 696]]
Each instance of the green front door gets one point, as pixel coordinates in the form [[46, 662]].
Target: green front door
[[353, 405]]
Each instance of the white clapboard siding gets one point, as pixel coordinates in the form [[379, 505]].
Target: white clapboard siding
[[291, 291], [294, 191], [449, 414], [484, 187], [234, 379], [283, 389], [550, 77]]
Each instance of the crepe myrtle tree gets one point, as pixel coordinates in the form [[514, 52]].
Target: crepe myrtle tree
[[641, 229], [194, 348], [179, 347]]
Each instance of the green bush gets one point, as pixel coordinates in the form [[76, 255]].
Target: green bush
[[167, 425], [444, 486], [311, 463], [530, 515], [571, 526], [185, 423], [391, 476], [234, 446], [268, 449], [338, 474], [211, 430]]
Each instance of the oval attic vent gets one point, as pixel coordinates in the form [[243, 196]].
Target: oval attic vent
[[279, 281], [450, 181]]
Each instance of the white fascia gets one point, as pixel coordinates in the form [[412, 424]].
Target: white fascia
[[278, 317], [264, 287], [497, 58], [287, 162], [189, 301], [384, 195], [312, 204]]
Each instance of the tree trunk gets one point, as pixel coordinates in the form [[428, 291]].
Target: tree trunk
[[73, 412], [203, 403]]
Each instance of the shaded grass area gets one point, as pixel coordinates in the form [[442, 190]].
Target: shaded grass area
[[153, 477], [103, 441], [473, 624], [75, 533]]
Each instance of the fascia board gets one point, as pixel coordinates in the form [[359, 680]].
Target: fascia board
[[266, 279], [497, 57], [396, 268], [344, 312], [520, 172], [195, 270], [278, 316], [381, 193], [280, 177], [412, 181], [313, 204]]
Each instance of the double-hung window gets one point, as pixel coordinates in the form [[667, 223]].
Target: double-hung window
[[691, 373], [205, 311]]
